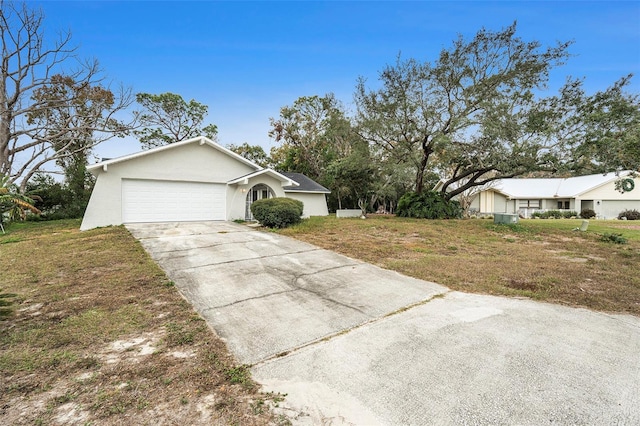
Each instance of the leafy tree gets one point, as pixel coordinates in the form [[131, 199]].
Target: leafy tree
[[610, 124], [68, 118], [467, 113], [58, 200], [31, 64], [12, 202], [253, 153], [354, 175], [313, 132], [167, 118]]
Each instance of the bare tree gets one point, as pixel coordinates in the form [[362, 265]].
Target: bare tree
[[29, 61]]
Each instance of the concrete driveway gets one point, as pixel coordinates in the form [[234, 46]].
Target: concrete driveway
[[350, 343]]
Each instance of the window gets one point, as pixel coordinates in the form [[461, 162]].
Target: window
[[559, 204], [529, 203], [566, 205]]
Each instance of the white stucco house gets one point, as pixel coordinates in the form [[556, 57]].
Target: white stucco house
[[192, 180], [525, 196]]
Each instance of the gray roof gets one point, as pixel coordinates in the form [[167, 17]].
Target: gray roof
[[306, 184]]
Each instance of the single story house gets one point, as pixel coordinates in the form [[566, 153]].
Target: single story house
[[525, 196], [192, 180]]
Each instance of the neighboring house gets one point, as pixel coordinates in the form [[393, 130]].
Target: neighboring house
[[526, 196], [192, 180]]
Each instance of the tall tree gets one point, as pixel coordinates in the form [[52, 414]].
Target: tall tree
[[353, 176], [312, 132], [29, 62], [69, 117], [611, 122], [167, 118], [253, 153], [467, 112]]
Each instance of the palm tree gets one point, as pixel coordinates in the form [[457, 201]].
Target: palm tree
[[13, 203]]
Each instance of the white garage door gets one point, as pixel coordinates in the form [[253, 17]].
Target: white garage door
[[171, 201]]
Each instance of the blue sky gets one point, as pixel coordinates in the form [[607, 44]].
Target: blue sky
[[245, 60]]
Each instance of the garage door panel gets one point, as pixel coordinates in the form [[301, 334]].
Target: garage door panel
[[168, 201]]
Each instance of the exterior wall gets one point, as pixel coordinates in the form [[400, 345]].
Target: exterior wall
[[488, 202], [608, 203], [610, 209], [105, 204], [608, 192], [499, 203], [237, 195], [192, 162], [315, 204]]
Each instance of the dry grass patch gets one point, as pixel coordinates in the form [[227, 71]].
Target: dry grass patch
[[539, 259], [100, 336]]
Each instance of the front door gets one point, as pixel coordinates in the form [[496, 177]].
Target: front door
[[258, 192]]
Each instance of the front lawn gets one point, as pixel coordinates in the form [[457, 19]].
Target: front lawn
[[540, 259], [101, 336]]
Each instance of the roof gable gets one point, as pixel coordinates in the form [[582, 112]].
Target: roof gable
[[286, 181], [201, 140]]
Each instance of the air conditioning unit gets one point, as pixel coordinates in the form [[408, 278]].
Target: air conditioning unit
[[505, 218]]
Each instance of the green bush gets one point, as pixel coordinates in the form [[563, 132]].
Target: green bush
[[630, 215], [555, 214], [56, 200], [428, 205], [613, 238], [277, 212], [587, 214]]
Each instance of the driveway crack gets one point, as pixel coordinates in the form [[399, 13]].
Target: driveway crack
[[262, 296], [319, 294], [266, 256], [332, 336]]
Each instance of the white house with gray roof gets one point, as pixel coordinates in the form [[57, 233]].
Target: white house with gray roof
[[192, 180], [525, 196]]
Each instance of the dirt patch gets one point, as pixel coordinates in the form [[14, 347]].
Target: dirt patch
[[101, 336]]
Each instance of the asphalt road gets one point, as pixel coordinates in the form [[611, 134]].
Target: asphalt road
[[350, 343]]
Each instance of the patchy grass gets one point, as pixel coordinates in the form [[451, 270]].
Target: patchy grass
[[100, 335], [539, 259]]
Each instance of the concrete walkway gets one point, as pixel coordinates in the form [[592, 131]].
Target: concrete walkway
[[351, 343]]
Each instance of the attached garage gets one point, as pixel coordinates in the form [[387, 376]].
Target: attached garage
[[193, 180], [166, 201]]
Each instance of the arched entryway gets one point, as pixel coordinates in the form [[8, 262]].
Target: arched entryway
[[257, 192]]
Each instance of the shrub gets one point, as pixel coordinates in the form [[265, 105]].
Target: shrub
[[613, 238], [630, 215], [428, 205], [587, 214], [277, 212], [554, 214]]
